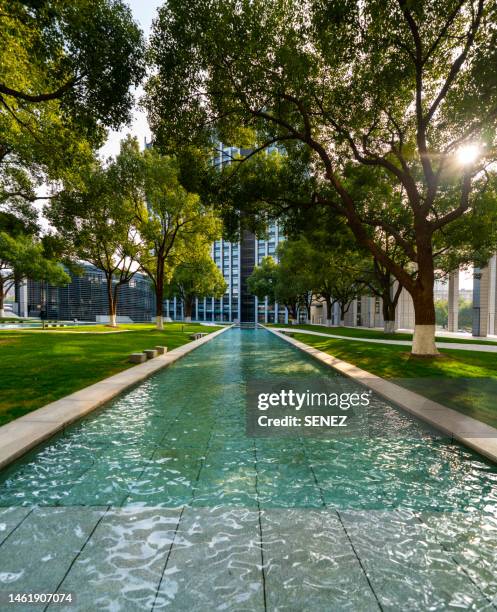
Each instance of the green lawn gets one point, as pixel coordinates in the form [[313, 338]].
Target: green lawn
[[463, 380], [356, 332], [40, 366]]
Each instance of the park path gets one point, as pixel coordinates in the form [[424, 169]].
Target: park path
[[460, 346]]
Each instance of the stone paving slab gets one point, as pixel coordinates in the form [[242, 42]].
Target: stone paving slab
[[389, 542], [19, 436], [120, 567], [39, 552], [10, 518], [471, 539], [215, 562], [310, 563], [471, 432]]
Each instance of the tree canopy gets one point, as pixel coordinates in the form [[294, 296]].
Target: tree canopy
[[405, 91], [196, 277], [66, 73], [23, 255]]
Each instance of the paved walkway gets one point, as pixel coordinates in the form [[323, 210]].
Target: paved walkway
[[239, 559], [460, 346]]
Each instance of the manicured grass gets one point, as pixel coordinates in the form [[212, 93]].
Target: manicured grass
[[38, 367], [463, 380], [356, 332]]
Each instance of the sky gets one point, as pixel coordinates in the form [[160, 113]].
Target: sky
[[144, 12]]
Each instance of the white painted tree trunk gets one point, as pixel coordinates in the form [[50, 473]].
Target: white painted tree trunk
[[159, 320], [188, 319], [342, 322], [2, 313], [329, 323], [389, 327], [113, 320], [424, 340]]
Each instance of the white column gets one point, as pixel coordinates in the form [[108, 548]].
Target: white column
[[492, 294], [454, 301], [484, 291], [230, 282], [23, 298], [221, 300]]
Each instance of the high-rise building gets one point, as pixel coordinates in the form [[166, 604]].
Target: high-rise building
[[236, 261]]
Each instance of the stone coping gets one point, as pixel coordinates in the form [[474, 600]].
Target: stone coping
[[22, 434], [472, 433]]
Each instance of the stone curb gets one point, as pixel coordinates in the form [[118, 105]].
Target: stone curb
[[472, 433], [26, 432]]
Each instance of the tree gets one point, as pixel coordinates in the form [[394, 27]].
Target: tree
[[336, 279], [295, 282], [442, 312], [264, 279], [85, 54], [66, 73], [404, 89], [465, 314], [22, 255], [172, 221], [274, 281], [382, 284], [97, 225], [197, 276]]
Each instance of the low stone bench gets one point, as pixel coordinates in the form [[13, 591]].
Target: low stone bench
[[137, 358], [161, 349], [198, 335], [150, 353]]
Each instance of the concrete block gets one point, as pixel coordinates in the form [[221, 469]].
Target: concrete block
[[161, 349], [150, 353], [137, 357], [198, 335]]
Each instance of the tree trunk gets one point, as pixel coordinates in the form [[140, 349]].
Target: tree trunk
[[329, 306], [308, 304], [388, 313], [424, 312], [111, 302], [292, 311], [113, 320], [188, 306], [159, 319], [2, 297], [159, 298]]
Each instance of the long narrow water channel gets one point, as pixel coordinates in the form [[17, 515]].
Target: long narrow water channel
[[161, 500]]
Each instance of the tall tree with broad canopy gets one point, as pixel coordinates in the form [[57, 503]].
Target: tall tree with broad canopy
[[22, 254], [170, 219], [286, 282], [197, 276], [406, 88], [96, 223], [264, 280], [66, 72]]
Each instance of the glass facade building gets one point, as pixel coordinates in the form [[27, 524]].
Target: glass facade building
[[85, 298]]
